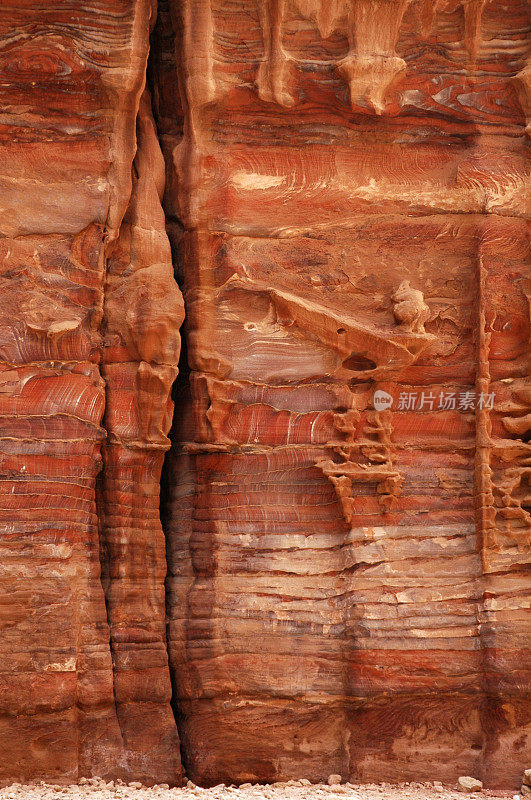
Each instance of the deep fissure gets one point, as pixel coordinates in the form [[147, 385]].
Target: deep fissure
[[180, 389]]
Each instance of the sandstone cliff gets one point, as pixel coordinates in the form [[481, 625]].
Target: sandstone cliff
[[89, 345], [340, 583]]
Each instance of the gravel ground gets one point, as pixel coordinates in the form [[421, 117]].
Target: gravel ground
[[99, 790]]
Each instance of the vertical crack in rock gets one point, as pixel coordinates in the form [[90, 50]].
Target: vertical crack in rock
[[143, 312], [175, 489]]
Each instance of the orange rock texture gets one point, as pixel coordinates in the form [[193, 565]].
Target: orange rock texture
[[89, 345], [338, 584]]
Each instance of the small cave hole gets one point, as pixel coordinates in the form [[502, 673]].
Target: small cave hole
[[358, 363]]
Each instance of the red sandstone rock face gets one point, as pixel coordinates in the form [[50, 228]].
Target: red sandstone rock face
[[89, 344], [344, 194], [346, 584]]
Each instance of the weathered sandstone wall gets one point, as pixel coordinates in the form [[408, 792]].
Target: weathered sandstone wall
[[346, 192], [341, 586], [89, 345]]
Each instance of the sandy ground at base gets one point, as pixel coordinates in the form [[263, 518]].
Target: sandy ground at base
[[278, 791]]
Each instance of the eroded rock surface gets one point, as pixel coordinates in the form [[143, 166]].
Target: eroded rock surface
[[89, 346], [346, 501], [346, 191]]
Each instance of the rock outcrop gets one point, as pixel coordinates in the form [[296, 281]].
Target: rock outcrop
[[346, 193], [89, 346], [340, 585]]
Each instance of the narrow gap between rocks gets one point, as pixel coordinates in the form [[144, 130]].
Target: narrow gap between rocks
[[162, 54]]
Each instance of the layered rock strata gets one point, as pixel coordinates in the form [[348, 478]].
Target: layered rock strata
[[346, 502], [89, 345], [347, 508]]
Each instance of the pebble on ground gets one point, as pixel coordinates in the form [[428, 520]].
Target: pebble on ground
[[95, 789]]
